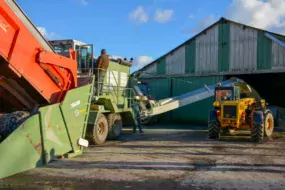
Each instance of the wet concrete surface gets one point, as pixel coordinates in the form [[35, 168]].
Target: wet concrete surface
[[166, 157]]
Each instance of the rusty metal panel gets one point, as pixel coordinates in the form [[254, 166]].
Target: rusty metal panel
[[207, 45], [243, 48], [150, 71], [175, 62], [278, 56]]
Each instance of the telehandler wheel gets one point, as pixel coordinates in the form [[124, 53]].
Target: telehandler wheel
[[268, 124], [10, 122], [213, 130], [115, 125], [100, 130], [257, 133]]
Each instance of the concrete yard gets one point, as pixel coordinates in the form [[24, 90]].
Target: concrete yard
[[167, 157]]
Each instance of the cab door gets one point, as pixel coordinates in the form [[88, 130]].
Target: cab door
[[85, 61]]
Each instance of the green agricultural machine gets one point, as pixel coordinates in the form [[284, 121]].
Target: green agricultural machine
[[113, 108], [48, 107]]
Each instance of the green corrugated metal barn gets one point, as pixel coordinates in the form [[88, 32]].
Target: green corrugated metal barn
[[222, 50]]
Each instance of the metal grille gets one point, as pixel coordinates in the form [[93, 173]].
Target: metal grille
[[230, 112]]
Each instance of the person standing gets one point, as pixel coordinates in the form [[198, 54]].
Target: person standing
[[101, 67], [137, 110]]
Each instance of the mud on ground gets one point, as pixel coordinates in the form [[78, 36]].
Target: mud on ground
[[166, 157]]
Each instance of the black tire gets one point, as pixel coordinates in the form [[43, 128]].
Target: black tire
[[268, 124], [213, 130], [115, 125], [257, 133], [100, 130], [10, 122]]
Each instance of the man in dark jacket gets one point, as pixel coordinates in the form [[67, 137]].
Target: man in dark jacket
[[137, 110], [102, 64]]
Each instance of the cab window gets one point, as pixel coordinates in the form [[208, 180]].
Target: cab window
[[224, 95]]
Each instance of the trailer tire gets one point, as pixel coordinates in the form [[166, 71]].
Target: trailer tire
[[10, 122], [115, 125], [213, 130], [100, 130], [257, 133]]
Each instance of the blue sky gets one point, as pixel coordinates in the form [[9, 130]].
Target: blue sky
[[142, 29]]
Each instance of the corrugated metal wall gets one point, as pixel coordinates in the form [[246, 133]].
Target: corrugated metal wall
[[207, 45], [195, 113], [243, 48], [161, 68], [278, 56], [224, 48], [175, 62], [190, 56], [264, 49], [160, 89], [150, 70]]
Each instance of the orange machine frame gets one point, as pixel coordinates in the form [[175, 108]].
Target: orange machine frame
[[29, 70]]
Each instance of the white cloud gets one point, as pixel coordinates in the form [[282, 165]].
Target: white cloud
[[44, 32], [163, 16], [115, 57], [265, 14], [142, 61], [138, 16], [191, 16], [202, 24]]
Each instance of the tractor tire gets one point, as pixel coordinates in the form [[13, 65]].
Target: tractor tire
[[100, 130], [257, 133], [268, 124], [115, 125], [10, 122], [213, 130]]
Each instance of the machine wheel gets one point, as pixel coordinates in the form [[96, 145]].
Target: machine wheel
[[213, 130], [115, 125], [100, 130], [10, 122], [257, 133], [268, 124]]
